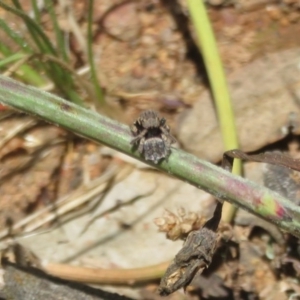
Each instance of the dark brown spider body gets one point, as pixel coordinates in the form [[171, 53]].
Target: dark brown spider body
[[152, 136]]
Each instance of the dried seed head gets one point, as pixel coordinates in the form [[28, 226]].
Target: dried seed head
[[178, 226]]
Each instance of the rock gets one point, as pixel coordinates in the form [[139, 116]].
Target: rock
[[265, 96]]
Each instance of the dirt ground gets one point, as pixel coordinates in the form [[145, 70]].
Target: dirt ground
[[71, 201]]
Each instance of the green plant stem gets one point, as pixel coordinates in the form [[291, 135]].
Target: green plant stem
[[11, 58], [18, 39], [204, 175], [29, 75], [218, 84], [26, 73], [61, 79], [37, 14], [37, 33], [58, 33]]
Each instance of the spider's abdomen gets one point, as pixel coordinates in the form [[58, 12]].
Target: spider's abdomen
[[155, 149]]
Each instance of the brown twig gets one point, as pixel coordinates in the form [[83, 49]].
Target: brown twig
[[106, 276]]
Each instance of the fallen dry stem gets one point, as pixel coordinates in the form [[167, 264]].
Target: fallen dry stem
[[17, 130], [67, 9], [64, 205], [105, 276]]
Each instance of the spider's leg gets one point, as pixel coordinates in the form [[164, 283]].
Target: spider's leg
[[141, 145], [134, 129], [167, 146], [162, 121], [166, 131], [139, 136]]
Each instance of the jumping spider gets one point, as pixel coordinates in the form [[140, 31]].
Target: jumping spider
[[152, 135]]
